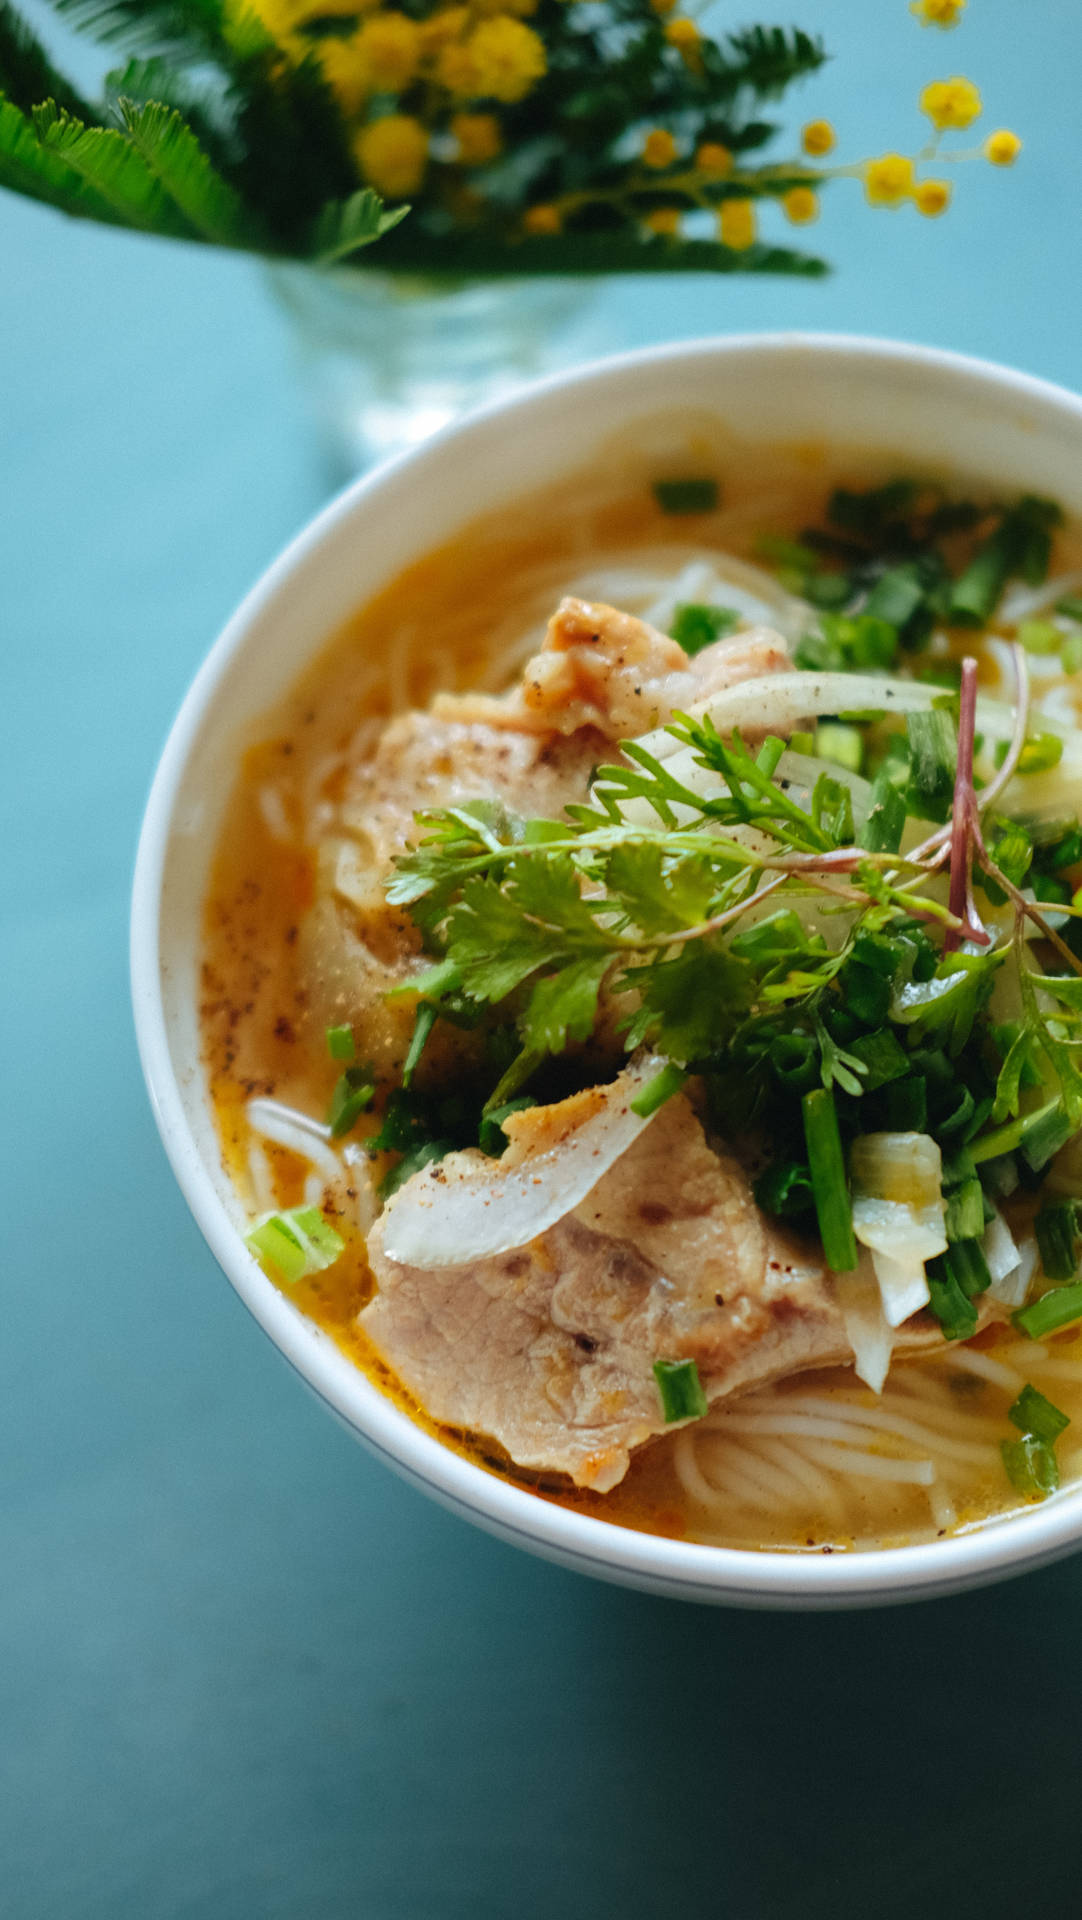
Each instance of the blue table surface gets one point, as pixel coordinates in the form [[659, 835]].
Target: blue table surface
[[245, 1672]]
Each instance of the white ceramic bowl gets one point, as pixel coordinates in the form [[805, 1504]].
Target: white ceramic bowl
[[925, 407]]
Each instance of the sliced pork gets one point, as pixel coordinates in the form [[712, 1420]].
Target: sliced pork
[[549, 1347], [607, 671]]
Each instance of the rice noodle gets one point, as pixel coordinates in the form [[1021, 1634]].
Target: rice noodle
[[287, 1127], [943, 1509], [873, 1466], [984, 1367]]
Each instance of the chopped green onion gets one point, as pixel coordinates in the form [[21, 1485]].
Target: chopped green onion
[[681, 1391], [1041, 751], [800, 742], [965, 1264], [1039, 1134], [1070, 658], [296, 1243], [780, 551], [1021, 544], [1047, 1131], [1039, 636], [352, 1096], [827, 1168], [882, 830], [965, 1211], [933, 747], [1032, 1413], [827, 590], [794, 1059], [1056, 1227], [952, 1307], [340, 1043], [769, 754], [1065, 852], [1070, 607], [691, 495], [866, 992], [1031, 1466], [1049, 886], [896, 595], [844, 746], [846, 643], [695, 627], [1057, 1308], [667, 1081]]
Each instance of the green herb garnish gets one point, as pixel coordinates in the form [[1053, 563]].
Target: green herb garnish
[[695, 627]]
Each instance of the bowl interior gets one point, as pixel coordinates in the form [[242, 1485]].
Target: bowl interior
[[930, 411]]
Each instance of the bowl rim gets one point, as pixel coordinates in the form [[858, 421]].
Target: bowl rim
[[737, 1576]]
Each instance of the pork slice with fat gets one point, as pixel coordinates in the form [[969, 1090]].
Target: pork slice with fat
[[549, 1347]]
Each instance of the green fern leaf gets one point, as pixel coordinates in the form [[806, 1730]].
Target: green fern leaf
[[27, 75], [175, 158], [589, 253], [187, 28], [29, 168], [202, 103], [115, 169], [345, 225]]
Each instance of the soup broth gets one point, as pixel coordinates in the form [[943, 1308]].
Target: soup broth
[[815, 1462]]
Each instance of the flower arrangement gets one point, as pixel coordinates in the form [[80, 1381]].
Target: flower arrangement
[[481, 136]]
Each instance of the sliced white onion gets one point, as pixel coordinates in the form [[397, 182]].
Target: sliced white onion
[[866, 1326], [775, 702], [903, 1287], [1021, 603], [1003, 1258], [905, 1168], [1012, 1287], [468, 1207], [903, 1232]]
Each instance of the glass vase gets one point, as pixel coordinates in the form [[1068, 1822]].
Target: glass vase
[[387, 358]]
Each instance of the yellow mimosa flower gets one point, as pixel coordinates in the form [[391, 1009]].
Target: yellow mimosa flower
[[501, 60], [737, 224], [392, 154], [800, 205], [684, 35], [542, 220], [477, 136], [658, 148], [390, 46], [937, 13], [818, 138], [951, 103], [889, 180], [714, 160], [1002, 148], [932, 197]]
